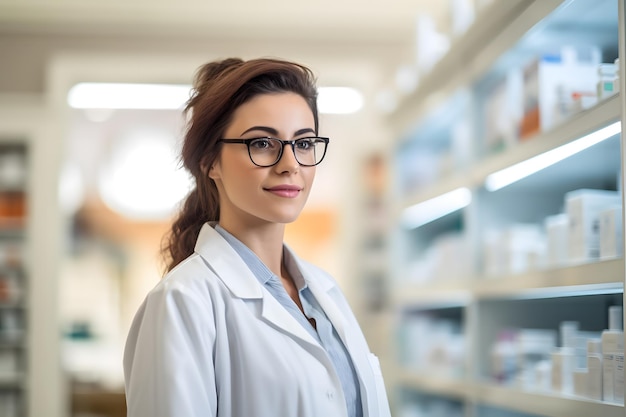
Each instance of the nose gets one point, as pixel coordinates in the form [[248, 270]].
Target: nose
[[288, 161]]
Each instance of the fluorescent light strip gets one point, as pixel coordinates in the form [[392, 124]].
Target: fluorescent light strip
[[335, 100], [435, 208], [514, 173], [339, 100], [128, 96]]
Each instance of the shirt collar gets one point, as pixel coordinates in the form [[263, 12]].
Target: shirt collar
[[261, 271]]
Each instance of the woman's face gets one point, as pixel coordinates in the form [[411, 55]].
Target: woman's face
[[252, 195]]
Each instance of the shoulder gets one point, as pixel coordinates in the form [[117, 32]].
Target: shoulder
[[186, 298], [191, 271], [191, 280]]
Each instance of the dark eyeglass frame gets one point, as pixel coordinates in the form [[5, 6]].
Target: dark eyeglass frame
[[293, 142]]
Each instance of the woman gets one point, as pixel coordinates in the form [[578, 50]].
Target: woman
[[240, 326]]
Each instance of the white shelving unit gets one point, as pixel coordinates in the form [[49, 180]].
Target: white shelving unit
[[13, 277], [472, 304]]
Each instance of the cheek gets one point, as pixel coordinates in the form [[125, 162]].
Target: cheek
[[241, 181], [309, 177], [309, 174]]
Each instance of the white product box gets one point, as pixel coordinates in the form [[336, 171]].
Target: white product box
[[606, 75], [556, 231], [514, 250], [580, 382], [532, 346], [612, 365], [594, 369], [563, 361], [583, 208], [521, 244], [556, 86], [504, 107], [613, 357], [462, 14], [611, 238]]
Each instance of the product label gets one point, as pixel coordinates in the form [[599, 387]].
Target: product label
[[618, 387], [608, 377]]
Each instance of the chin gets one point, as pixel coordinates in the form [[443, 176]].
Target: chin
[[288, 219], [285, 217]]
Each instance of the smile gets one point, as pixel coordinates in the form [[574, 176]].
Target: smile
[[286, 191]]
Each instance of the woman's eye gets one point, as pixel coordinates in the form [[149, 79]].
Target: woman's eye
[[304, 144], [261, 143]]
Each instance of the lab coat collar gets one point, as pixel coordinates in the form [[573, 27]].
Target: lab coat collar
[[239, 279], [226, 262]]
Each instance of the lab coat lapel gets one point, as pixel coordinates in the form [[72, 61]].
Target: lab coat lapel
[[323, 288], [280, 318], [239, 279]]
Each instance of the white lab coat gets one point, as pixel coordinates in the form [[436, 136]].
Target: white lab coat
[[209, 340]]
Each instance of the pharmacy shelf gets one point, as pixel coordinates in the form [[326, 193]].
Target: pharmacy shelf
[[12, 228], [433, 384], [603, 277], [444, 295], [14, 380], [13, 305], [543, 404], [506, 35], [496, 29], [11, 381], [587, 121], [442, 186], [536, 403]]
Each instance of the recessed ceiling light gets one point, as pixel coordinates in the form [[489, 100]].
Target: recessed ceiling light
[[128, 96], [335, 100], [339, 100]]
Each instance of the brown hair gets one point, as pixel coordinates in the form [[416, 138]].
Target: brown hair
[[219, 89]]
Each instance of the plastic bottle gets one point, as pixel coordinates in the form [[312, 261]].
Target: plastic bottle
[[613, 358], [594, 367]]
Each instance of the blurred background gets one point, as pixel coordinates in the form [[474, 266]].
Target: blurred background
[[470, 205]]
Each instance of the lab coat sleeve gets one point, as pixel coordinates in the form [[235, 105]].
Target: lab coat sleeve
[[168, 359]]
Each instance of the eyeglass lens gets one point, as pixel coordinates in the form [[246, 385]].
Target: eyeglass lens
[[267, 151]]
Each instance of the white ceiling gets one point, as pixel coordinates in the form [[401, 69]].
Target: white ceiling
[[338, 20]]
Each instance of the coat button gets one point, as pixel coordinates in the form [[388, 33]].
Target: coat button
[[330, 395]]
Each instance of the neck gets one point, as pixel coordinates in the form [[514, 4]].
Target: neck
[[266, 241]]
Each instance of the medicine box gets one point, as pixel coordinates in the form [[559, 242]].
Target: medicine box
[[611, 238], [583, 209], [557, 242], [557, 85]]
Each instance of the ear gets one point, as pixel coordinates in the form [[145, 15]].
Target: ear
[[215, 171]]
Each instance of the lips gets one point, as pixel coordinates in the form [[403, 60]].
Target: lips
[[285, 190]]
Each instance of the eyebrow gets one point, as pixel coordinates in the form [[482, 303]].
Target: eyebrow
[[272, 131]]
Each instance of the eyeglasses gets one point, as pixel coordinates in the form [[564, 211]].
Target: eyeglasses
[[266, 152]]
